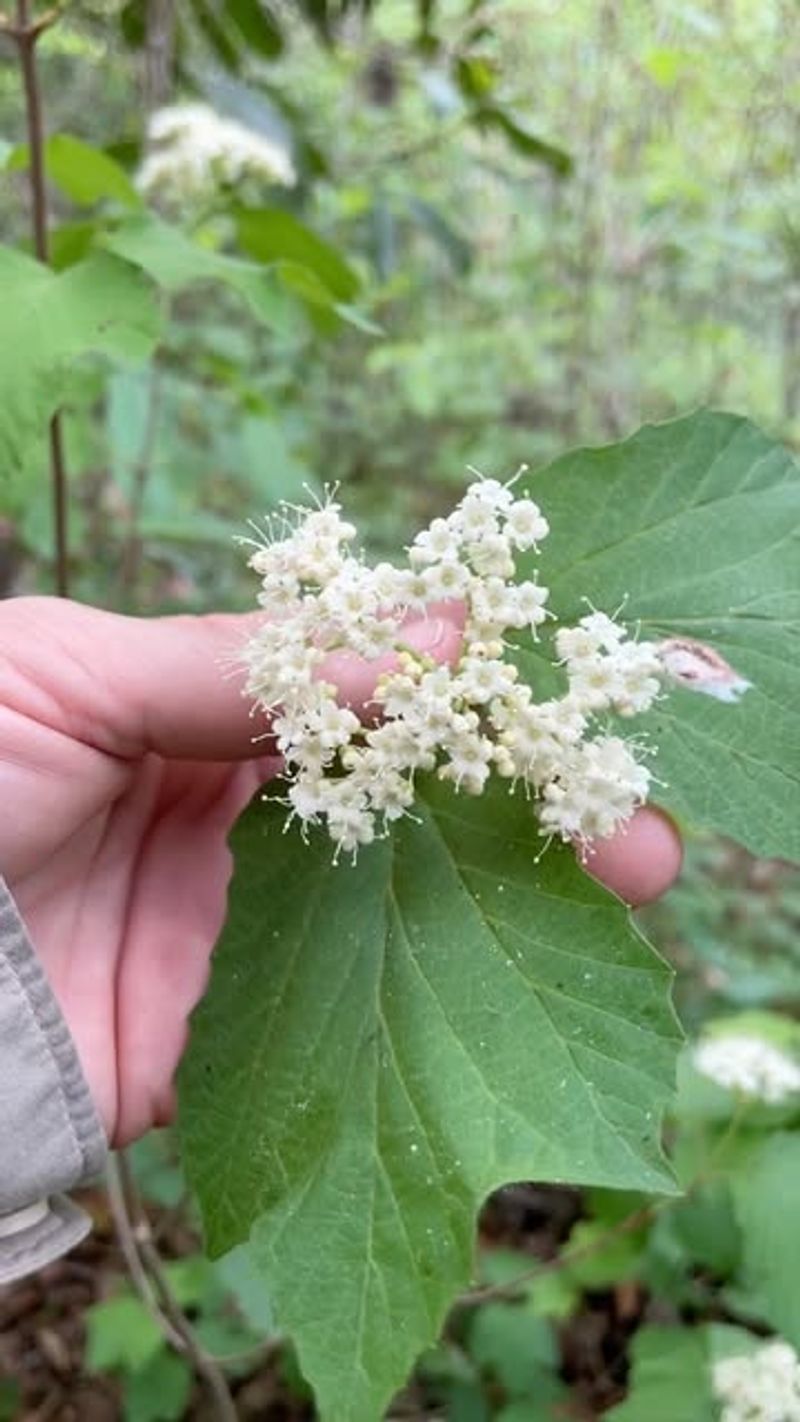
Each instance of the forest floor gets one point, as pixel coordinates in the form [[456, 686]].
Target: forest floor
[[43, 1334]]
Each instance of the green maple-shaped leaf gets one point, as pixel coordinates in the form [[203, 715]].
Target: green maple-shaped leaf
[[383, 1045], [694, 526], [101, 305]]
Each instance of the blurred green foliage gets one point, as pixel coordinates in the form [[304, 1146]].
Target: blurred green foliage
[[731, 926], [559, 220]]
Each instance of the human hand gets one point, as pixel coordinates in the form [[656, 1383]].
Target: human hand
[[125, 757]]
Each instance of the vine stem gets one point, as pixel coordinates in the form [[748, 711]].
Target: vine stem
[[25, 34], [150, 1280]]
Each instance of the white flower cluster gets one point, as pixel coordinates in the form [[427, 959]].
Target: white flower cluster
[[194, 150], [747, 1064], [465, 720], [763, 1386]]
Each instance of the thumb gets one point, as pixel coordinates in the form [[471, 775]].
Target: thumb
[[641, 861], [437, 634], [171, 685]]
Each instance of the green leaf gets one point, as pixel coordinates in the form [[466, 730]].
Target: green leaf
[[384, 1044], [272, 235], [160, 1391], [175, 262], [215, 34], [10, 1401], [84, 174], [154, 1163], [239, 1274], [763, 1192], [603, 1258], [132, 24], [694, 526], [476, 76], [87, 174], [193, 1281], [705, 1226], [121, 1333], [99, 305], [201, 530], [530, 145], [70, 243], [226, 1336], [670, 1378], [550, 1404], [257, 26], [455, 247], [466, 1403], [512, 1346], [274, 471]]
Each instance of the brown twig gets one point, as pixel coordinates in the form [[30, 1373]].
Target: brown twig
[[635, 1220], [159, 54], [511, 1290], [25, 33], [151, 1283], [129, 1245]]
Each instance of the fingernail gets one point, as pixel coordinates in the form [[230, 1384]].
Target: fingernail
[[436, 629]]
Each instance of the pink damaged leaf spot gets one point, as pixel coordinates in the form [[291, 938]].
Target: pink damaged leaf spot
[[699, 668]]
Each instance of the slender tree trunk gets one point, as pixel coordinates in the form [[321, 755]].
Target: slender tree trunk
[[26, 33], [159, 55], [790, 352]]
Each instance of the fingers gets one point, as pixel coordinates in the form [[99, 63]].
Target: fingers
[[640, 862], [172, 685], [438, 635]]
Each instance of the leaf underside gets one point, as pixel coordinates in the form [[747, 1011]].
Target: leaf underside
[[102, 306], [694, 527], [384, 1044]]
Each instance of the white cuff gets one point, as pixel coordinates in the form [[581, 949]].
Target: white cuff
[[23, 1219]]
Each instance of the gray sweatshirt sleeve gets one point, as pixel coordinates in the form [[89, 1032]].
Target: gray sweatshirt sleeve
[[50, 1136]]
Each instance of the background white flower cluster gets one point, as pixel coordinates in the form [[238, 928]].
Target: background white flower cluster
[[748, 1065], [464, 721], [194, 150], [763, 1386]]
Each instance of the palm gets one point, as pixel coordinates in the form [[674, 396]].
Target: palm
[[125, 908], [116, 855]]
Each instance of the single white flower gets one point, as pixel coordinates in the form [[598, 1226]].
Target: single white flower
[[491, 556], [491, 493], [528, 604], [525, 524], [439, 541], [445, 579]]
